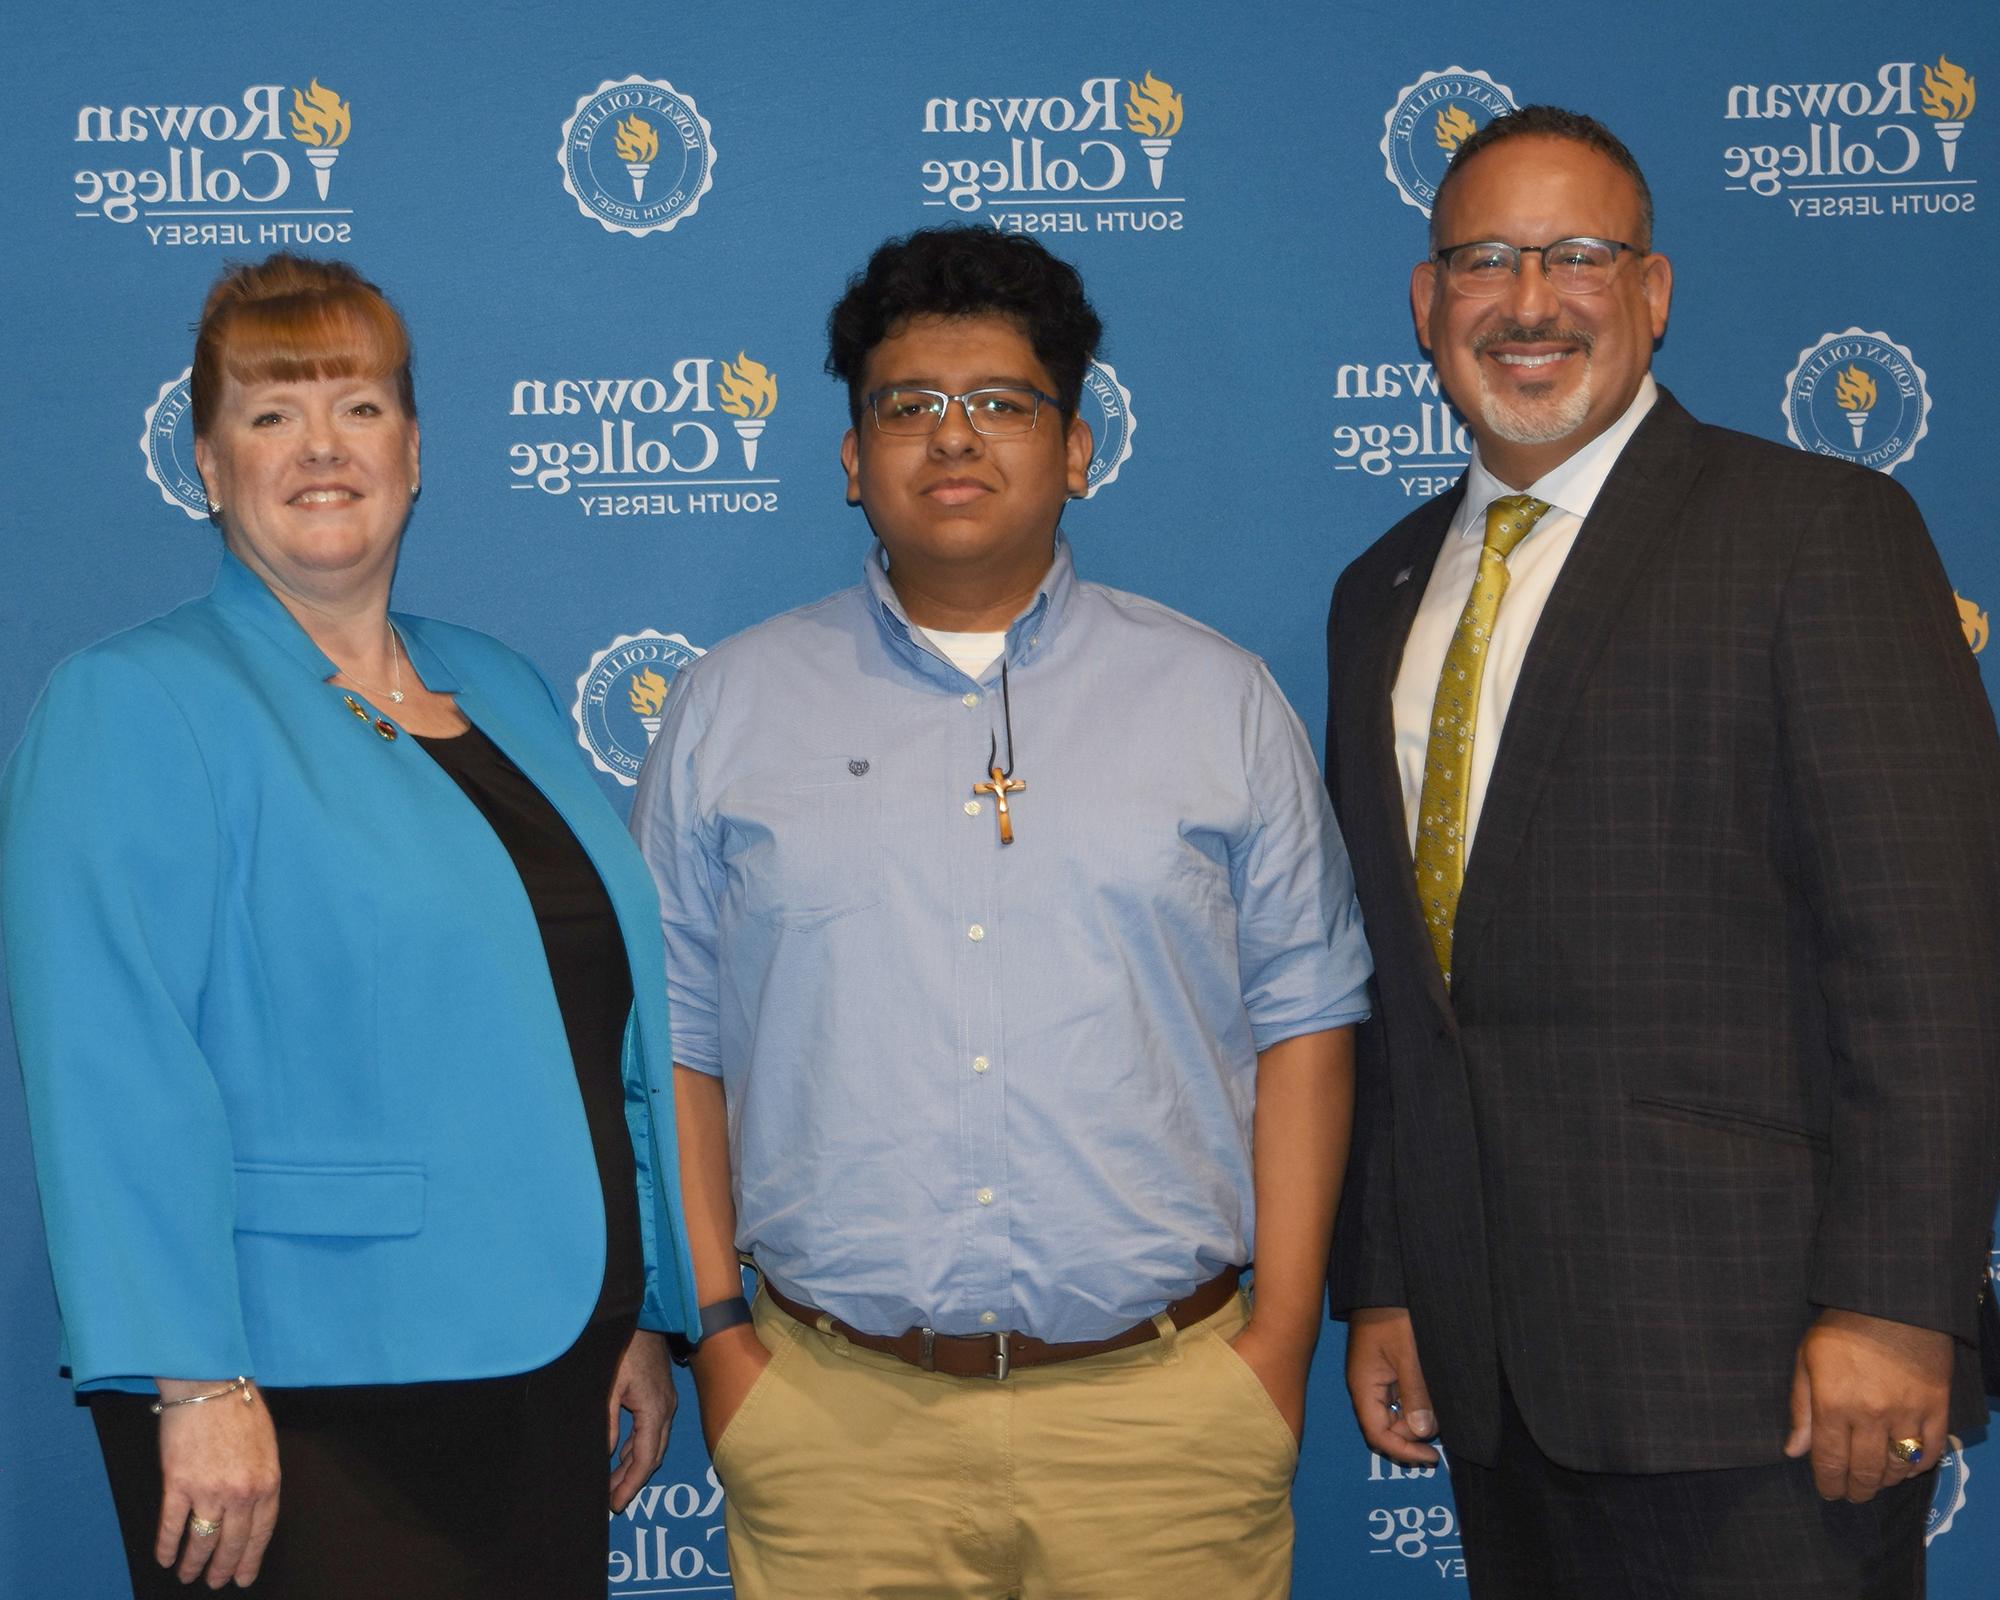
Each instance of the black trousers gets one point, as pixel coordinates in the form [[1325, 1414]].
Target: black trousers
[[1537, 1531], [493, 1489]]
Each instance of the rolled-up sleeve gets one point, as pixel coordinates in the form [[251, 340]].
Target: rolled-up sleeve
[[1301, 953], [684, 858]]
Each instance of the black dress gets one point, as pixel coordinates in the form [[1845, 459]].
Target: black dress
[[473, 1490]]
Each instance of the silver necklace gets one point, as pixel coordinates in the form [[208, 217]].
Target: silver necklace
[[395, 670]]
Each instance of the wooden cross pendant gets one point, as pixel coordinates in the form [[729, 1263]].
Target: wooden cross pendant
[[1000, 788]]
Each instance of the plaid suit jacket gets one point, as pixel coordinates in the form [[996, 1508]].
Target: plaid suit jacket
[[1723, 1045]]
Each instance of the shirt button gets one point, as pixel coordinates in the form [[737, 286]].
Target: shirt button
[[970, 699], [975, 933], [980, 1063], [984, 1197], [989, 1317], [972, 808]]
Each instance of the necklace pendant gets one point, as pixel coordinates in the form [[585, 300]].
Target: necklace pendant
[[396, 695]]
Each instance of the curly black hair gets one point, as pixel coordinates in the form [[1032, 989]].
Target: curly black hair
[[966, 272]]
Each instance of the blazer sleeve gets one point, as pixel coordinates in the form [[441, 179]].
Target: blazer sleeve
[[110, 882], [1892, 769], [1366, 1268]]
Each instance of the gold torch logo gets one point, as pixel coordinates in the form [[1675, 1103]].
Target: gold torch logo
[[1949, 97], [648, 695], [1854, 393], [1153, 111], [749, 394], [1454, 127], [320, 121], [637, 145], [1973, 621]]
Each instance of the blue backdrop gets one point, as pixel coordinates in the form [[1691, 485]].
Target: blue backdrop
[[616, 232]]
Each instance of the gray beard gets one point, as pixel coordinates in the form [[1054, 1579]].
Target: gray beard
[[1526, 419]]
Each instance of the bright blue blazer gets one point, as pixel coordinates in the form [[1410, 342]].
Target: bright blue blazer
[[300, 1096]]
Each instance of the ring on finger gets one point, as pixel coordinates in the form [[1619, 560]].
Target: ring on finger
[[202, 1528], [1908, 1451]]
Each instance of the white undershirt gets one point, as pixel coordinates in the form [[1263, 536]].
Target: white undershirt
[[971, 653], [1571, 489]]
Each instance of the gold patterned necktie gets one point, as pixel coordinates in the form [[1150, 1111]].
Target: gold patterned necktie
[[1448, 757]]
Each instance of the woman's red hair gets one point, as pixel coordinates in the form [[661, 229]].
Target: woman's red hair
[[290, 318]]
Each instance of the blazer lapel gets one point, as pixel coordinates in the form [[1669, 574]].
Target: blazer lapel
[[1376, 657], [1634, 515]]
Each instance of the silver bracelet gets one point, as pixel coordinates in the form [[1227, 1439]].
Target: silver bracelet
[[234, 1386]]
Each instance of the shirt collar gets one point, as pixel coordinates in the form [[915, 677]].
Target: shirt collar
[[1031, 633], [1571, 485]]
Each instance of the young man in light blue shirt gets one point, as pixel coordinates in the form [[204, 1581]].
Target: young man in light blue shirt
[[1014, 961]]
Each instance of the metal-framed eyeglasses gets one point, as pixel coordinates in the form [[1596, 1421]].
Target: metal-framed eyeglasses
[[998, 411], [1571, 266]]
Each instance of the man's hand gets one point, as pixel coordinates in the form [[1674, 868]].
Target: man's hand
[[1387, 1386], [1859, 1384], [644, 1386], [218, 1462], [1280, 1365], [725, 1366]]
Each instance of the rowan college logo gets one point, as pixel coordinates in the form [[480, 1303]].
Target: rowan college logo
[[1106, 406], [1860, 396], [749, 392], [167, 442], [320, 122], [642, 138], [1153, 111], [622, 696], [223, 172], [1884, 143], [1095, 160], [1427, 123]]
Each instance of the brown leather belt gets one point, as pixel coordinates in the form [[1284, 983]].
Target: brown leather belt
[[994, 1355]]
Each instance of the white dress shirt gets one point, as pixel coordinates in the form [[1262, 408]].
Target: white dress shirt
[[1570, 489]]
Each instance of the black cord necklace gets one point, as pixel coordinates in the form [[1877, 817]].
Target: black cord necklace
[[1002, 783]]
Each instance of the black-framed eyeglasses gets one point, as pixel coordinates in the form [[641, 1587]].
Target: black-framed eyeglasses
[[1572, 266], [1000, 410]]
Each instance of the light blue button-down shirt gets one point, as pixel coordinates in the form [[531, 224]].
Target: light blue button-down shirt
[[976, 1086]]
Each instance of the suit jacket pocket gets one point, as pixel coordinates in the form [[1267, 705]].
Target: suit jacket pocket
[[1752, 1123], [377, 1201]]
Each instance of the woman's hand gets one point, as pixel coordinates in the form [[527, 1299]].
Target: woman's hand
[[644, 1386], [218, 1464]]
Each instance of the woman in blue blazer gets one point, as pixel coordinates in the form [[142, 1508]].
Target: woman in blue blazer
[[338, 992]]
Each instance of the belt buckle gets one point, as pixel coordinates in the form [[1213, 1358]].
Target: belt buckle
[[1003, 1359]]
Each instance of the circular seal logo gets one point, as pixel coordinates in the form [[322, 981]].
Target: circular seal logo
[[1948, 1493], [636, 156], [1858, 395], [1430, 119], [1106, 405], [622, 695], [167, 442]]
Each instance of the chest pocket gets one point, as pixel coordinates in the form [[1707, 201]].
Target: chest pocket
[[800, 846]]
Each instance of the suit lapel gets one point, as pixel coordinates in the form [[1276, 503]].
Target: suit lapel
[[1376, 657], [1633, 518]]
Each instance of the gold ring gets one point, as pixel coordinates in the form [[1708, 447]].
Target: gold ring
[[1907, 1450], [202, 1528]]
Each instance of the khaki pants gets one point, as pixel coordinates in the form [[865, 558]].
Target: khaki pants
[[1150, 1473]]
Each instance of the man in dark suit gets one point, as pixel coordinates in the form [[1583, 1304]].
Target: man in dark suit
[[1670, 787]]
